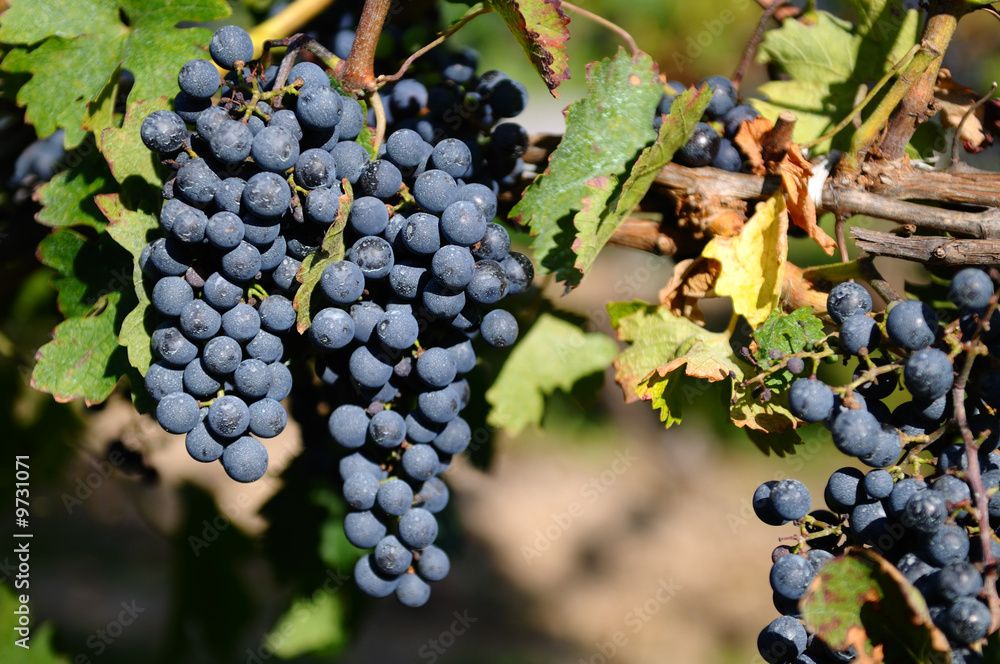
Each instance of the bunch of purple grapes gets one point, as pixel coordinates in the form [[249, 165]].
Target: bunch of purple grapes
[[711, 144], [915, 506], [259, 182]]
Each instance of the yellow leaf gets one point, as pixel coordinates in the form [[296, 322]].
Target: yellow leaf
[[752, 264]]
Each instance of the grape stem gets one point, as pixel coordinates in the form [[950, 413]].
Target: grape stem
[[294, 44], [868, 375], [754, 42], [972, 474], [780, 366], [287, 22], [922, 441], [375, 99], [870, 273], [452, 29], [600, 20]]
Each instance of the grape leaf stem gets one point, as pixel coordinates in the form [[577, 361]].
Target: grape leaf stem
[[780, 366], [474, 11], [870, 273], [751, 48], [867, 99], [600, 20]]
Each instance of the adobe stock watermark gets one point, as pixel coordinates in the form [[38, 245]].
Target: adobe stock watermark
[[102, 639], [637, 618], [434, 647], [590, 492]]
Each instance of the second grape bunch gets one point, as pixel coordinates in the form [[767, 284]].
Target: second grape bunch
[[915, 507]]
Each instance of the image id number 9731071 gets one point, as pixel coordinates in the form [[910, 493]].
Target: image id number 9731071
[[22, 551]]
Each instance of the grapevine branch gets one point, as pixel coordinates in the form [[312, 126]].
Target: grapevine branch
[[908, 101], [928, 250], [945, 198]]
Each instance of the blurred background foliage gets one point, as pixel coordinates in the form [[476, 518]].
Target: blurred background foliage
[[260, 573]]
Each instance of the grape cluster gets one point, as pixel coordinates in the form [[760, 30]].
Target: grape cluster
[[916, 509], [259, 182], [425, 273], [707, 147]]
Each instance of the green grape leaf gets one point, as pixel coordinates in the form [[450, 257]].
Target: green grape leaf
[[597, 222], [619, 310], [84, 360], [788, 333], [605, 131], [540, 27], [330, 251], [80, 45], [553, 355], [123, 148], [100, 114], [132, 229], [37, 648], [861, 600], [828, 60], [86, 269], [68, 199], [888, 24], [23, 23], [134, 220]]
